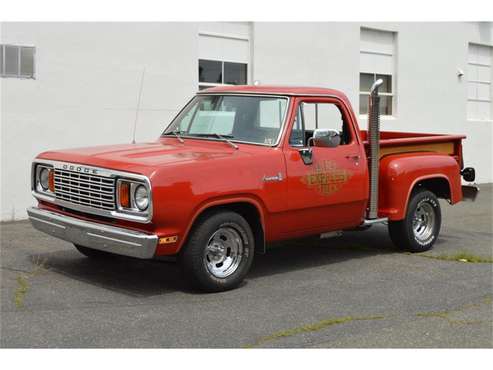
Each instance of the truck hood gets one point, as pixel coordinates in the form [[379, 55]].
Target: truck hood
[[144, 157]]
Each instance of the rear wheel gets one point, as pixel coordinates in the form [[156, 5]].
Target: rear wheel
[[419, 230], [93, 253], [219, 252]]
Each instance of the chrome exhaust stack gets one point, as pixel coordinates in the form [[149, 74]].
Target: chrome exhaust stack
[[374, 140]]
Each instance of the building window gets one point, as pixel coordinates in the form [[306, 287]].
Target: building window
[[215, 72], [17, 61], [224, 54], [377, 60], [385, 92], [479, 72]]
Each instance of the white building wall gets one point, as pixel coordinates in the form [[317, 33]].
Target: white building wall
[[430, 97], [88, 77], [86, 91]]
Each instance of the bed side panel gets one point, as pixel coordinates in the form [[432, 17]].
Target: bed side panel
[[400, 173]]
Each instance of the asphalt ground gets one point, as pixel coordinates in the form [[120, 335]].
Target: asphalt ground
[[355, 291]]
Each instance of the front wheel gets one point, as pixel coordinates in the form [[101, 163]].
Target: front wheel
[[420, 228], [219, 251]]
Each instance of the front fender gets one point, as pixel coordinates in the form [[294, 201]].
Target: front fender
[[399, 174]]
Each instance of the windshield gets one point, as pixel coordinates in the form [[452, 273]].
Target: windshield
[[254, 119]]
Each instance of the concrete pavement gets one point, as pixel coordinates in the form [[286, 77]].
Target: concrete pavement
[[353, 291]]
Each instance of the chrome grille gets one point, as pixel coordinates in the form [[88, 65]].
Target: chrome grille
[[84, 189]]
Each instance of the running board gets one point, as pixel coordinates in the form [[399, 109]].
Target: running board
[[369, 222]]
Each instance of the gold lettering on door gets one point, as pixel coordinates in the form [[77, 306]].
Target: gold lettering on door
[[326, 178]]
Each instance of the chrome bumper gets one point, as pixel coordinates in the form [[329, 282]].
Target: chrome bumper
[[93, 235]]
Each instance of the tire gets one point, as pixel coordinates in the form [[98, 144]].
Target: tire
[[219, 251], [93, 253], [419, 230]]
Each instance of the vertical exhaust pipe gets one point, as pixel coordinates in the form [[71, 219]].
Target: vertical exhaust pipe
[[374, 140]]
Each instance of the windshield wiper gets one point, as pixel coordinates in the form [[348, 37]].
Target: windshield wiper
[[176, 133], [221, 137]]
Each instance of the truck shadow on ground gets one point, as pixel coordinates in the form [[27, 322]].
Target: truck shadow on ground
[[313, 252], [133, 277], [140, 278]]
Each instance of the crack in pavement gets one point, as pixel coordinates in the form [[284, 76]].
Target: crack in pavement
[[319, 325], [327, 323]]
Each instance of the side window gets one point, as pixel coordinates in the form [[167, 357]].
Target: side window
[[311, 116], [297, 133]]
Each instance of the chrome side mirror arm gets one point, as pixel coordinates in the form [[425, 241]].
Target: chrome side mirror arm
[[306, 155]]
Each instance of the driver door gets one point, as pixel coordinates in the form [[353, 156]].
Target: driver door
[[331, 192]]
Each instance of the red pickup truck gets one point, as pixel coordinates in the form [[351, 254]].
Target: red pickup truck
[[242, 166]]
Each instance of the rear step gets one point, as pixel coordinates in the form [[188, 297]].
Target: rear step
[[469, 192]]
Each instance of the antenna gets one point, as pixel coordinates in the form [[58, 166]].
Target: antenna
[[138, 104]]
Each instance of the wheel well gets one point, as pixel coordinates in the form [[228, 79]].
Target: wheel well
[[250, 213], [438, 186]]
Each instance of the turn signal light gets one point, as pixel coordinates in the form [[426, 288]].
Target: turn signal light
[[168, 239], [124, 194], [51, 181]]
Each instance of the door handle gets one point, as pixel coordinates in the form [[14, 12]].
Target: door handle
[[354, 157]]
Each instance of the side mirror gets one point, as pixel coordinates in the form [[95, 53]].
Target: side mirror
[[327, 138]]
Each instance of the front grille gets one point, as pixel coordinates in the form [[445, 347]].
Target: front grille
[[83, 189]]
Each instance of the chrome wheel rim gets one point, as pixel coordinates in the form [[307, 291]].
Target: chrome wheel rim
[[224, 252], [423, 222]]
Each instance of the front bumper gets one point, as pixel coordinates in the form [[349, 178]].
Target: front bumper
[[93, 235]]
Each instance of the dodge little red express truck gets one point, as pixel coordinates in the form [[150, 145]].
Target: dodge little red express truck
[[242, 166]]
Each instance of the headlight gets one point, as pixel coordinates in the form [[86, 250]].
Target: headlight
[[43, 178], [133, 197], [141, 197]]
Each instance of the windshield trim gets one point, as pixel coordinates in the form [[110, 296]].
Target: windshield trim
[[281, 129]]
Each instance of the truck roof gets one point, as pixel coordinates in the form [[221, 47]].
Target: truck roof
[[276, 90]]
